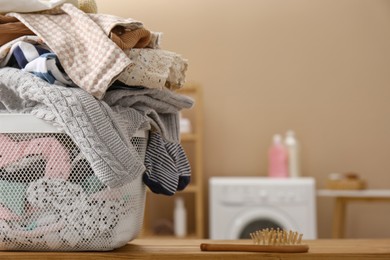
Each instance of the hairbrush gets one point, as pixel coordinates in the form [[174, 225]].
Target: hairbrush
[[265, 240]]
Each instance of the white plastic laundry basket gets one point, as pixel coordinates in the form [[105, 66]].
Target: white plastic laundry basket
[[50, 198]]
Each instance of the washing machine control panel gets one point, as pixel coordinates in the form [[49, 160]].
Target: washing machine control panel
[[252, 194]]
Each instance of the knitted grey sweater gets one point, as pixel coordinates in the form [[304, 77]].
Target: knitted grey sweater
[[91, 124]]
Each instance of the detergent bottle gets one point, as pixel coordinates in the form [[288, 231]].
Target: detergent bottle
[[277, 159]]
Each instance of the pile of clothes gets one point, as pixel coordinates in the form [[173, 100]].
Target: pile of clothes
[[100, 79]]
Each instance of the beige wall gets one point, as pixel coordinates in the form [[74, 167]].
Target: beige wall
[[319, 67]]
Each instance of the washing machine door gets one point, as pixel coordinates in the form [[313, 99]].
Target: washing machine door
[[253, 220]]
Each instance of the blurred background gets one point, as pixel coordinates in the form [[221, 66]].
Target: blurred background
[[318, 67]]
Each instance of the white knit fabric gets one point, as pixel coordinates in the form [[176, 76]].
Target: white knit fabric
[[83, 118]]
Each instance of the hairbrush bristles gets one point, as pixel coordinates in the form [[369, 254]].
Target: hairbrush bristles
[[265, 240], [276, 237]]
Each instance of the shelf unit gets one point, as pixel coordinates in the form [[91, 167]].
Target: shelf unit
[[158, 219]]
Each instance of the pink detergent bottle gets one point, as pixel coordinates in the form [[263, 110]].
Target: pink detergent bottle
[[277, 159]]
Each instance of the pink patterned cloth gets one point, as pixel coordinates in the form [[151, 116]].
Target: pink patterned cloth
[[57, 158], [7, 214], [82, 45]]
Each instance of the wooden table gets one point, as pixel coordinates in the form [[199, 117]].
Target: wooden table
[[343, 197], [345, 249]]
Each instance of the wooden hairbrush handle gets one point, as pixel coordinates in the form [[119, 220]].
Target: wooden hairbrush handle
[[255, 248]]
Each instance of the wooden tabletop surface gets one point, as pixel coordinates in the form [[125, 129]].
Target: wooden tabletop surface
[[184, 249]]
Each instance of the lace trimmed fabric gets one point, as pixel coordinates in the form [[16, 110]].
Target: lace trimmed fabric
[[154, 68]]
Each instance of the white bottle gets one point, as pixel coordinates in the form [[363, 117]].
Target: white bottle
[[180, 218], [185, 124], [292, 146]]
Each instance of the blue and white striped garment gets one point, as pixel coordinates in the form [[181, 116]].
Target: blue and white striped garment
[[48, 68], [167, 167], [40, 61]]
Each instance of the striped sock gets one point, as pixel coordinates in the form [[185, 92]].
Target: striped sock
[[176, 151], [167, 167]]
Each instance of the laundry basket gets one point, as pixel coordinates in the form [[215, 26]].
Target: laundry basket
[[50, 198]]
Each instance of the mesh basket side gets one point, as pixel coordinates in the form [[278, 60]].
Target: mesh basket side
[[50, 198]]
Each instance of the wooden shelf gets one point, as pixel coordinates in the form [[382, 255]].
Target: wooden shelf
[[159, 208], [189, 137], [190, 88], [190, 189]]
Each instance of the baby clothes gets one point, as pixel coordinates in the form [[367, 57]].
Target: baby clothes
[[91, 64]]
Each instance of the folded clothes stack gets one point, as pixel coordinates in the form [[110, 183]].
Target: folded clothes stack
[[100, 79], [99, 54]]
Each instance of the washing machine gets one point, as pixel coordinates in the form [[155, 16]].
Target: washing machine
[[241, 205]]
